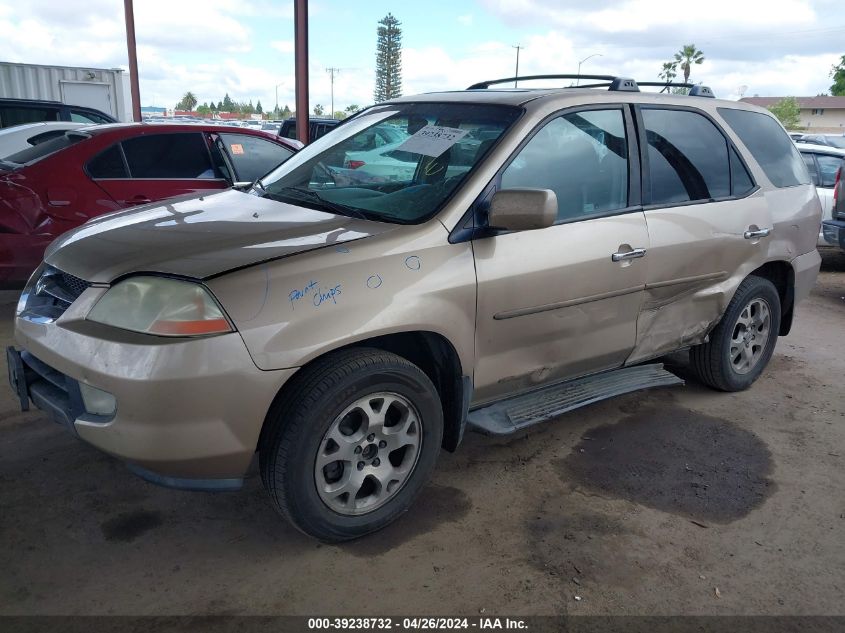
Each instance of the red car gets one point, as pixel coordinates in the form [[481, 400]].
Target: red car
[[57, 185]]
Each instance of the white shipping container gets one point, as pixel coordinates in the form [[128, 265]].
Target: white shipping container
[[106, 89]]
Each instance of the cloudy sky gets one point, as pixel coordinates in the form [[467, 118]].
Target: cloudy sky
[[211, 47]]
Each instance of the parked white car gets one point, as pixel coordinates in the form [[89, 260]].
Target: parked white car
[[822, 162], [20, 137]]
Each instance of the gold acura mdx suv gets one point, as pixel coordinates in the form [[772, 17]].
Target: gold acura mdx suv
[[486, 257]]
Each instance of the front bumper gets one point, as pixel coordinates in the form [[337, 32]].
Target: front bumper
[[189, 411], [834, 232]]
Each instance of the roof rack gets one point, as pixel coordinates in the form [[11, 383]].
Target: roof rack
[[621, 84], [695, 90]]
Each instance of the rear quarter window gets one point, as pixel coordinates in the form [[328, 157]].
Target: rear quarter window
[[42, 150], [770, 146]]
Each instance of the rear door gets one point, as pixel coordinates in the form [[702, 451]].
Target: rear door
[[156, 166], [699, 207]]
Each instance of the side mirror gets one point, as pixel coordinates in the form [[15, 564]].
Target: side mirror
[[242, 184], [522, 209]]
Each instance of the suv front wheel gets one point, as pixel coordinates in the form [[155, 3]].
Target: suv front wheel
[[742, 343], [352, 443]]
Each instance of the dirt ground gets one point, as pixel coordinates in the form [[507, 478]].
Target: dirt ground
[[673, 501]]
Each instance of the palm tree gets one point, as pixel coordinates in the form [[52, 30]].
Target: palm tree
[[188, 101], [686, 57]]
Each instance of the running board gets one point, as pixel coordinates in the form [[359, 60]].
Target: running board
[[511, 415]]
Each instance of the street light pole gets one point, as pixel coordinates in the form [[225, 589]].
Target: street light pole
[[516, 74], [578, 81], [300, 39]]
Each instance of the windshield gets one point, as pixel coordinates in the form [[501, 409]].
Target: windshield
[[393, 163]]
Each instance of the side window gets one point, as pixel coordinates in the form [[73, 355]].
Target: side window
[[179, 155], [253, 157], [770, 146], [87, 117], [810, 164], [14, 115], [107, 164], [741, 182], [687, 157], [828, 166], [582, 157]]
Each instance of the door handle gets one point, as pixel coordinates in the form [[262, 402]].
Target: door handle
[[141, 199], [753, 235], [632, 254]]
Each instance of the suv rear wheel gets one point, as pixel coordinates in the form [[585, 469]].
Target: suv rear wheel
[[352, 443], [742, 343]]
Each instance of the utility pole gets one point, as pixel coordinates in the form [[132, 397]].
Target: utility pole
[[332, 72], [133, 60], [516, 74]]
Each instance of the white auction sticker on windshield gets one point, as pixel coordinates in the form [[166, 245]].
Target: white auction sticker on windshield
[[433, 140]]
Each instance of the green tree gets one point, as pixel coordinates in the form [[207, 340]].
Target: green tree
[[788, 112], [204, 109], [669, 72], [228, 104], [340, 115], [388, 60], [286, 113], [319, 110], [219, 106], [258, 108], [838, 74], [352, 109], [188, 102], [686, 57]]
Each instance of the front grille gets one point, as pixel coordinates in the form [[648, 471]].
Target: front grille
[[51, 294]]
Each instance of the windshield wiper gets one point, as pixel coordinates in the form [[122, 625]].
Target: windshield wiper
[[313, 196]]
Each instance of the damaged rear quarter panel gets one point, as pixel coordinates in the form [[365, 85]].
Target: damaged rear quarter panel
[[292, 310]]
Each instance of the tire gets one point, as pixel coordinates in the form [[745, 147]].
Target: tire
[[379, 415], [726, 362]]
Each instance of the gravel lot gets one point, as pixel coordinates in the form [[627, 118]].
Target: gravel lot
[[673, 501]]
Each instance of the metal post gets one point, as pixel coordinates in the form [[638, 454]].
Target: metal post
[[516, 74], [300, 20], [133, 60]]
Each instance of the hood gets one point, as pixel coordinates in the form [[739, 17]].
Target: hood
[[200, 236]]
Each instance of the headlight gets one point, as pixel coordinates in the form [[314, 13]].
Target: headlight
[[160, 306]]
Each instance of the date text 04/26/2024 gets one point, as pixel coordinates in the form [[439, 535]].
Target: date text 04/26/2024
[[417, 624]]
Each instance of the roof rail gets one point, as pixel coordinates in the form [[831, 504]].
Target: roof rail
[[486, 84], [622, 84], [695, 90]]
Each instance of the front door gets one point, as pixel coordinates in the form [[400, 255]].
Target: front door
[[560, 302]]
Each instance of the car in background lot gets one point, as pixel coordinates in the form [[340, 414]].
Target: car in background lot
[[830, 140], [317, 127], [59, 184], [20, 137], [823, 162], [547, 245], [18, 111], [834, 228]]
